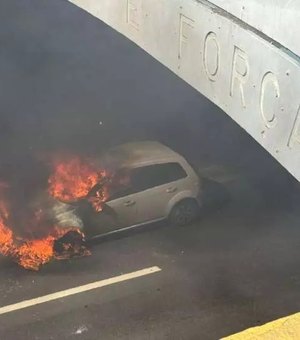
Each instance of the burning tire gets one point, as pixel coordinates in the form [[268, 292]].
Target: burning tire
[[72, 244]]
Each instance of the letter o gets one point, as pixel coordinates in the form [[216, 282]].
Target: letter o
[[211, 56], [269, 80]]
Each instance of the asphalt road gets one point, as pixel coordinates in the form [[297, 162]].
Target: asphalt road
[[69, 83], [236, 267]]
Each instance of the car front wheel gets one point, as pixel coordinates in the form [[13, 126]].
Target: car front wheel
[[184, 212]]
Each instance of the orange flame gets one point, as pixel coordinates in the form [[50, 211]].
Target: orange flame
[[30, 254], [73, 180]]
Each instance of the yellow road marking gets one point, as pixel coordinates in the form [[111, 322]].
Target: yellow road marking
[[287, 328]]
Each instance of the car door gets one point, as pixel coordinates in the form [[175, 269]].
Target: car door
[[118, 212], [124, 209], [155, 186]]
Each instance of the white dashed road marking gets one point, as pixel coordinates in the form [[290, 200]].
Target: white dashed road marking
[[77, 290]]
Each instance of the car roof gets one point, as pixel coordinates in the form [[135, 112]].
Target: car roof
[[139, 153]]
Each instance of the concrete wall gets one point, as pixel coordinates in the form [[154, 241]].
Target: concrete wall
[[244, 58], [279, 19]]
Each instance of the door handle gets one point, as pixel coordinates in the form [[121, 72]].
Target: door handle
[[171, 190], [129, 203]]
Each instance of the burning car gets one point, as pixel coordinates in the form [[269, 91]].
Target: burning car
[[148, 182], [129, 186]]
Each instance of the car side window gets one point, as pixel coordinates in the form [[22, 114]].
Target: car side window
[[146, 177], [151, 176], [121, 185]]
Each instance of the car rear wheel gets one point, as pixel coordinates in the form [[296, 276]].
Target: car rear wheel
[[184, 212]]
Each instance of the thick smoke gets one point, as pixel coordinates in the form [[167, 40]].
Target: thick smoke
[[68, 82]]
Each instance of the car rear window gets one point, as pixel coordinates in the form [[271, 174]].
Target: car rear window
[[154, 175]]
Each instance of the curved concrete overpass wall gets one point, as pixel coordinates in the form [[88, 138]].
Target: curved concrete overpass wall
[[242, 57], [279, 19]]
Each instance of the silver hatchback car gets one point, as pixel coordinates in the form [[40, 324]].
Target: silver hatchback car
[[161, 185]]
